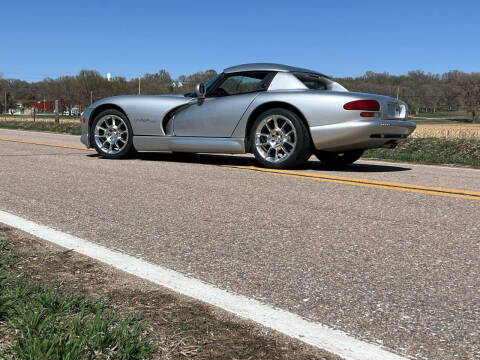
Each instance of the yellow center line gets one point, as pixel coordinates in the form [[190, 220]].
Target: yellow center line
[[46, 144], [430, 190]]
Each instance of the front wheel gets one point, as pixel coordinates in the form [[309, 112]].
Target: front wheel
[[338, 159], [112, 134], [279, 139]]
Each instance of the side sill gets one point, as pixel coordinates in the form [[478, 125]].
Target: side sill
[[189, 144]]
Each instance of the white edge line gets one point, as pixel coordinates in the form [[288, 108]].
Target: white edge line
[[316, 334]]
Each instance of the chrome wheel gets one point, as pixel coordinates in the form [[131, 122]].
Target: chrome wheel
[[275, 138], [111, 134]]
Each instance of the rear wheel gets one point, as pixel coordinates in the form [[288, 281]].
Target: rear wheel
[[338, 159], [279, 139], [112, 134]]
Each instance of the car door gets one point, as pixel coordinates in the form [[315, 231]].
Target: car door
[[220, 111]]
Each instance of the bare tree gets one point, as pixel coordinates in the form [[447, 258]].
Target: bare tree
[[470, 86]]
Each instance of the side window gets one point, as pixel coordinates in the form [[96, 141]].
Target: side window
[[311, 81], [240, 84]]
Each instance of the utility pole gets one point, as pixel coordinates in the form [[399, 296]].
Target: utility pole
[[398, 91], [138, 85], [5, 110], [91, 97], [57, 112], [44, 103]]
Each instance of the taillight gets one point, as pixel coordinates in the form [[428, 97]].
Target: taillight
[[365, 105]]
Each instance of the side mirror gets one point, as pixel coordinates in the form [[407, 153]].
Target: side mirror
[[200, 90]]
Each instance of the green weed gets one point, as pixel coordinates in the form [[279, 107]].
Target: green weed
[[58, 326]]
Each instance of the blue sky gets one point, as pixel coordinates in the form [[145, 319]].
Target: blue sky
[[339, 38]]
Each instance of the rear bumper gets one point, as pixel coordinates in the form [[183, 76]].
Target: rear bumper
[[360, 134]]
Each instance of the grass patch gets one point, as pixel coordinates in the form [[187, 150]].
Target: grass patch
[[39, 116], [48, 324], [432, 151], [62, 127], [441, 117]]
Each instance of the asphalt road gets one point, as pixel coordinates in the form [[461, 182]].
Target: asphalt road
[[390, 266]]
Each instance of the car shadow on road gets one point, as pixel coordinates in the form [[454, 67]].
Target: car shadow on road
[[206, 159], [242, 160], [356, 167]]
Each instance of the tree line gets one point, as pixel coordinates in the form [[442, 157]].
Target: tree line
[[89, 85], [423, 92]]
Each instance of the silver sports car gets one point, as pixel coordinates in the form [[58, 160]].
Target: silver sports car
[[281, 114]]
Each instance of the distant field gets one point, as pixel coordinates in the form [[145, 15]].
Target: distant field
[[449, 117], [71, 125], [447, 131]]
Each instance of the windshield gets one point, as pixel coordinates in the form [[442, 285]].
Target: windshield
[[208, 85], [211, 82]]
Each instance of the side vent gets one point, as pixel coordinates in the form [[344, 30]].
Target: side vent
[[167, 122]]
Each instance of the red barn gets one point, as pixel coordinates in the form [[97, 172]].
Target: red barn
[[48, 105]]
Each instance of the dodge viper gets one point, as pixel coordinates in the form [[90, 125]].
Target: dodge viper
[[281, 114]]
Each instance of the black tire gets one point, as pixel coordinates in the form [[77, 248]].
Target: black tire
[[302, 149], [127, 147], [338, 159]]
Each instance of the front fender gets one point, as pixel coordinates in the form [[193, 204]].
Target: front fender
[[145, 112]]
